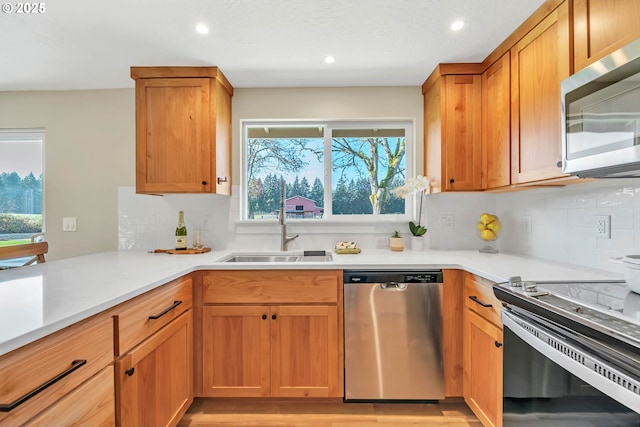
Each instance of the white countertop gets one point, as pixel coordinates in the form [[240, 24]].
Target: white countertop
[[38, 300]]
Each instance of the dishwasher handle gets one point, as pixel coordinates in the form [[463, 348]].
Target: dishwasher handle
[[393, 286]]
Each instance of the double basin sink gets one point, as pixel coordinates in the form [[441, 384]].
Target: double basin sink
[[307, 256]]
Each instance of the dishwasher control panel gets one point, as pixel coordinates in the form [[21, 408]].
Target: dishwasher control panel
[[397, 276]]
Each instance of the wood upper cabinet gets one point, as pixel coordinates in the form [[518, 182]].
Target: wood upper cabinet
[[453, 131], [482, 336], [539, 62], [272, 333], [602, 26], [496, 124], [183, 130]]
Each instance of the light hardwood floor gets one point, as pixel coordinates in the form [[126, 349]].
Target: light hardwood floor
[[226, 412]]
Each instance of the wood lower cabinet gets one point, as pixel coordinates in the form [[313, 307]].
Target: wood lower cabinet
[[91, 404], [482, 342], [183, 130], [154, 381], [453, 131], [602, 26], [271, 334], [539, 62]]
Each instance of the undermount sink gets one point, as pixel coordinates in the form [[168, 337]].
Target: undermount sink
[[278, 258]]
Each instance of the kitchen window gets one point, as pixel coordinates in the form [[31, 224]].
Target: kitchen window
[[337, 170], [21, 200]]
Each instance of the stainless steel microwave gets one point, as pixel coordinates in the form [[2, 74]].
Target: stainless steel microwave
[[601, 117]]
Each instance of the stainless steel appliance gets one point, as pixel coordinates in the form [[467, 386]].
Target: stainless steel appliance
[[601, 117], [393, 328], [571, 354]]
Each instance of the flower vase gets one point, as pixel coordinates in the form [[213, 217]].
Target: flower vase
[[417, 243]]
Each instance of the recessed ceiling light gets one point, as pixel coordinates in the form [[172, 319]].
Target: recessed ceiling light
[[457, 25], [329, 59], [202, 29]]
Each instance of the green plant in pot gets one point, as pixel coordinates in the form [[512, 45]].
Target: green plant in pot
[[396, 242], [422, 185]]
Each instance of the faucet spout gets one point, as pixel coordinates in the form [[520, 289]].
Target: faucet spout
[[284, 238]]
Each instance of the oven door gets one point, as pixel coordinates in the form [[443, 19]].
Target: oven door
[[550, 377]]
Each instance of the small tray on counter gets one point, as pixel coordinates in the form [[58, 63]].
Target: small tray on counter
[[181, 252], [347, 250]]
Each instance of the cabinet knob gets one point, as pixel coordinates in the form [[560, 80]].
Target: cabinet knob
[[221, 180], [451, 181], [559, 164], [264, 316], [498, 344], [204, 182], [130, 371], [274, 317]]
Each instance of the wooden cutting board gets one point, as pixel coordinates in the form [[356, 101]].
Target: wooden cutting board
[[182, 252]]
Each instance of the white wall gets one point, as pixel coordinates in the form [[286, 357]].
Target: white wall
[[89, 152]]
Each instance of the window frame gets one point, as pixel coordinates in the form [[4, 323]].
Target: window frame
[[329, 125]]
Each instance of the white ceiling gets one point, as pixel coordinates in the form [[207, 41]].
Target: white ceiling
[[90, 44]]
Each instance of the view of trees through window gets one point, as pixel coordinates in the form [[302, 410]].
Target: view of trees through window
[[20, 186], [365, 165]]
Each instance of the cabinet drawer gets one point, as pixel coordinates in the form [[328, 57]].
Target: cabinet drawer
[[90, 405], [271, 286], [478, 296], [78, 351], [139, 318]]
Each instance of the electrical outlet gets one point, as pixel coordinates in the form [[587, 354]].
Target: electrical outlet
[[446, 221], [382, 242], [603, 226], [526, 223]]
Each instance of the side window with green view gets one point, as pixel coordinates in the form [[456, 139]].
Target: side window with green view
[[21, 202]]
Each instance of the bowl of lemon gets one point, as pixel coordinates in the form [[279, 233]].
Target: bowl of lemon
[[488, 230]]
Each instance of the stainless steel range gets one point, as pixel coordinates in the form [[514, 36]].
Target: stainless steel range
[[571, 353]]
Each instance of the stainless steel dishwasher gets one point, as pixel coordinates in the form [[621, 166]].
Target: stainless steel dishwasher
[[393, 335]]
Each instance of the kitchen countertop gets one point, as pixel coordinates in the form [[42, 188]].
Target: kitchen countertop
[[38, 300]]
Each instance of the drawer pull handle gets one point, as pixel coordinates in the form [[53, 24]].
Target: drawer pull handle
[[157, 316], [6, 407], [130, 371], [484, 304], [498, 344]]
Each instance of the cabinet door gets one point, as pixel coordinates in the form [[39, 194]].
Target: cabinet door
[[235, 347], [496, 124], [462, 133], [221, 111], [539, 62], [304, 353], [173, 140], [483, 369], [90, 405], [154, 381], [602, 26]]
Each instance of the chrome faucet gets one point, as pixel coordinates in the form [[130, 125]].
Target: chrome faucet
[[284, 239]]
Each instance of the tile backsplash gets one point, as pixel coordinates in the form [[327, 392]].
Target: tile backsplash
[[562, 223]]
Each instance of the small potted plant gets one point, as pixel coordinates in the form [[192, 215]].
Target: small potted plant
[[396, 242], [422, 185]]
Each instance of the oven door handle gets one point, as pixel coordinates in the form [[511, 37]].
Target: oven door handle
[[557, 348]]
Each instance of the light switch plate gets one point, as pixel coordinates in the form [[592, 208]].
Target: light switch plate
[[69, 223]]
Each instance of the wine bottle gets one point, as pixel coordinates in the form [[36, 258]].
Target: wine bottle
[[181, 233]]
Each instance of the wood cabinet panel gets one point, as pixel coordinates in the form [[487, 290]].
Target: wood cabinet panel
[[27, 368], [304, 353], [271, 286], [90, 405], [602, 26], [478, 291], [133, 322], [496, 124], [483, 369], [154, 381], [452, 346], [236, 351], [539, 62], [183, 130]]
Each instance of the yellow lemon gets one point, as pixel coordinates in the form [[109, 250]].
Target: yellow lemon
[[480, 226], [494, 226], [487, 235], [485, 218]]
